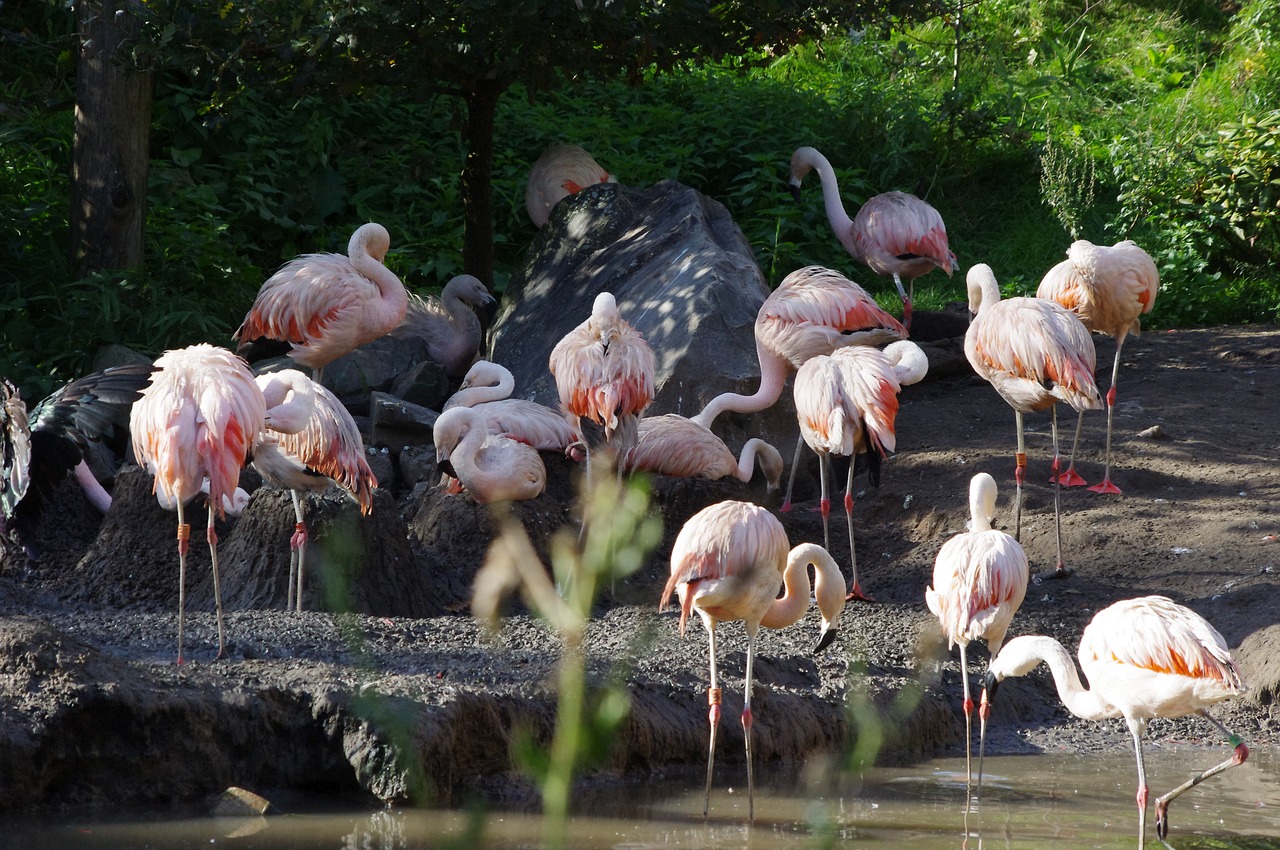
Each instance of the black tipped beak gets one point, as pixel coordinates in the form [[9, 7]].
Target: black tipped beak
[[446, 467], [989, 685], [795, 190], [825, 639]]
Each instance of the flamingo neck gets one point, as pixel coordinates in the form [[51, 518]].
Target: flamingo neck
[[1020, 655], [839, 220], [393, 299], [773, 378], [828, 588], [747, 460], [290, 397], [471, 396]]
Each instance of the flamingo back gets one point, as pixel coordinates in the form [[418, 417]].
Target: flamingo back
[[603, 369], [1109, 288], [813, 309], [898, 232], [979, 582], [330, 444], [197, 419], [561, 171], [673, 445], [721, 550]]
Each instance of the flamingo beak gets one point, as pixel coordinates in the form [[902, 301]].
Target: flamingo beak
[[794, 185], [825, 639]]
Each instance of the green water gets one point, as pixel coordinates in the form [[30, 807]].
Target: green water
[[1041, 801]]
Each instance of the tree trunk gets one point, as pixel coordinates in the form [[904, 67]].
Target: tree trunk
[[110, 154], [477, 181]]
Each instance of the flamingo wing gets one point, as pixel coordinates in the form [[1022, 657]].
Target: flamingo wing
[[673, 445], [812, 311], [330, 444], [979, 581], [1155, 633], [896, 226], [305, 299]]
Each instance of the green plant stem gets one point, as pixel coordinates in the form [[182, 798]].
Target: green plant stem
[[565, 744]]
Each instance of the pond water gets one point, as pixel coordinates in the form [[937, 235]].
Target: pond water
[[1040, 801]]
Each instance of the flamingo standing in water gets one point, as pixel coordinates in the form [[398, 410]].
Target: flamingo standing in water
[[604, 372], [449, 325], [815, 310], [326, 305], [1035, 353], [727, 564], [487, 388], [193, 426], [979, 581], [309, 441], [673, 445], [1144, 658], [897, 235], [490, 467], [561, 171], [847, 403], [1109, 289]]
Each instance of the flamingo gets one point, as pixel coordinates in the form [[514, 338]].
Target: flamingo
[[197, 420], [491, 467], [815, 310], [561, 171], [673, 445], [42, 446], [487, 388], [1035, 353], [846, 403], [326, 305], [727, 563], [897, 235], [308, 442], [604, 372], [1144, 658], [449, 326], [979, 582], [1109, 289]]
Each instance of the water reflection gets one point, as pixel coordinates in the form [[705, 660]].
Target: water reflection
[[1043, 801]]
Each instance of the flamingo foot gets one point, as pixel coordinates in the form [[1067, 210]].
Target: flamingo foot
[[857, 594], [1060, 571], [1162, 819], [786, 506], [1106, 487], [1070, 478]]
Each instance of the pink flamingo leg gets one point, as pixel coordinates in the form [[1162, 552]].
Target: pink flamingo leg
[[1239, 754], [1071, 478], [184, 544], [1142, 786], [1105, 485], [791, 479], [212, 536], [746, 726], [713, 714], [855, 590]]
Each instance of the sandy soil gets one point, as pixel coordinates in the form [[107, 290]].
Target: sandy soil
[[1194, 450]]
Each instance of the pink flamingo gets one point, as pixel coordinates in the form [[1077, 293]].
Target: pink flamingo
[[979, 581], [1144, 658], [490, 467], [449, 325], [897, 235], [561, 171], [1035, 353], [604, 372], [727, 563], [326, 305], [487, 388], [197, 420], [673, 445], [847, 403], [309, 441], [815, 310], [1109, 289]]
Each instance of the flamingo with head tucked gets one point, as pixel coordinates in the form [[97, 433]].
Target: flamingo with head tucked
[[673, 445], [847, 404], [487, 388], [1144, 658], [1034, 353], [326, 305], [1109, 289], [896, 234], [727, 563], [193, 426], [561, 171]]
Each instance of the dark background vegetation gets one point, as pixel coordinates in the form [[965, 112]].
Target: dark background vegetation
[[278, 128]]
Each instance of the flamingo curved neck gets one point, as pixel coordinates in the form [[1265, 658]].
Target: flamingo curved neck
[[840, 221], [290, 398], [747, 460], [773, 378], [484, 393], [828, 588], [1021, 654], [393, 298]]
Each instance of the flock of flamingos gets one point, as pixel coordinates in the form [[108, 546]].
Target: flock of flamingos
[[200, 414]]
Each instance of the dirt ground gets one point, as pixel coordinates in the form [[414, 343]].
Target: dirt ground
[[1194, 451]]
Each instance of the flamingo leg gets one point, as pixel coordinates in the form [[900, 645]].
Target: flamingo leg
[[855, 591], [713, 713], [1105, 486], [791, 479], [824, 463], [984, 712], [297, 555], [906, 299], [746, 726], [968, 726], [184, 542], [1019, 471], [1060, 569], [1142, 786], [212, 536], [1071, 478], [1238, 756]]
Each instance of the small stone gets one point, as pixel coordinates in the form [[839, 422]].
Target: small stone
[[1155, 432], [237, 803]]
